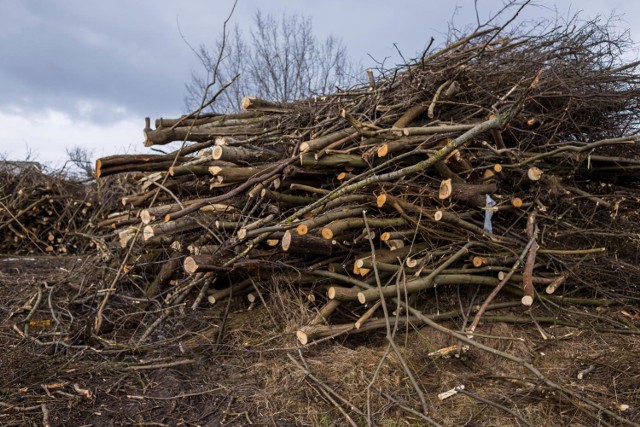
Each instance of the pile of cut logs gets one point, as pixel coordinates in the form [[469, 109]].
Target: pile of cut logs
[[42, 213], [498, 162]]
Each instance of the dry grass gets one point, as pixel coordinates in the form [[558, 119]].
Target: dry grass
[[249, 376]]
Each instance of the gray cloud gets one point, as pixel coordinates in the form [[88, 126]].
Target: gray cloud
[[109, 62], [54, 53]]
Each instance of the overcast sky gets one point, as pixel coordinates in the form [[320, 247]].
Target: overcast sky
[[86, 73]]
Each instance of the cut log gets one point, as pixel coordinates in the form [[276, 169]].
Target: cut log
[[480, 261], [236, 289], [340, 226], [410, 115], [397, 235], [405, 144], [111, 165], [201, 263], [195, 170], [344, 176], [411, 262], [286, 199], [311, 333], [417, 285], [446, 189], [469, 194], [394, 244], [305, 244], [158, 212], [332, 161], [342, 293], [311, 224], [488, 175], [250, 103], [534, 173], [197, 134], [172, 227], [552, 287], [324, 313], [238, 174], [243, 155], [527, 271], [367, 314], [323, 141]]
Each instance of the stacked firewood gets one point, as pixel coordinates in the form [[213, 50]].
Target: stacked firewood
[[44, 213], [506, 162]]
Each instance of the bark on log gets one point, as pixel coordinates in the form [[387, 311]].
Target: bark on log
[[204, 118], [323, 314], [169, 228], [323, 141], [342, 294], [235, 289], [340, 226], [197, 134], [238, 174], [158, 212], [250, 103], [418, 285], [332, 161], [201, 263], [112, 165], [527, 272], [305, 245], [311, 224], [469, 194], [243, 155]]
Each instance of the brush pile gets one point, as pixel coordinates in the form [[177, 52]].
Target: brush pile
[[498, 161], [47, 213], [488, 190]]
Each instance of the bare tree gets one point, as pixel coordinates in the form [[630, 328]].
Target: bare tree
[[79, 160], [280, 60]]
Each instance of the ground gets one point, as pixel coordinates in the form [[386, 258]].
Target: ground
[[256, 373]]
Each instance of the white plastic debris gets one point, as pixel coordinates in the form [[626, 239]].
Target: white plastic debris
[[447, 394], [488, 213]]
